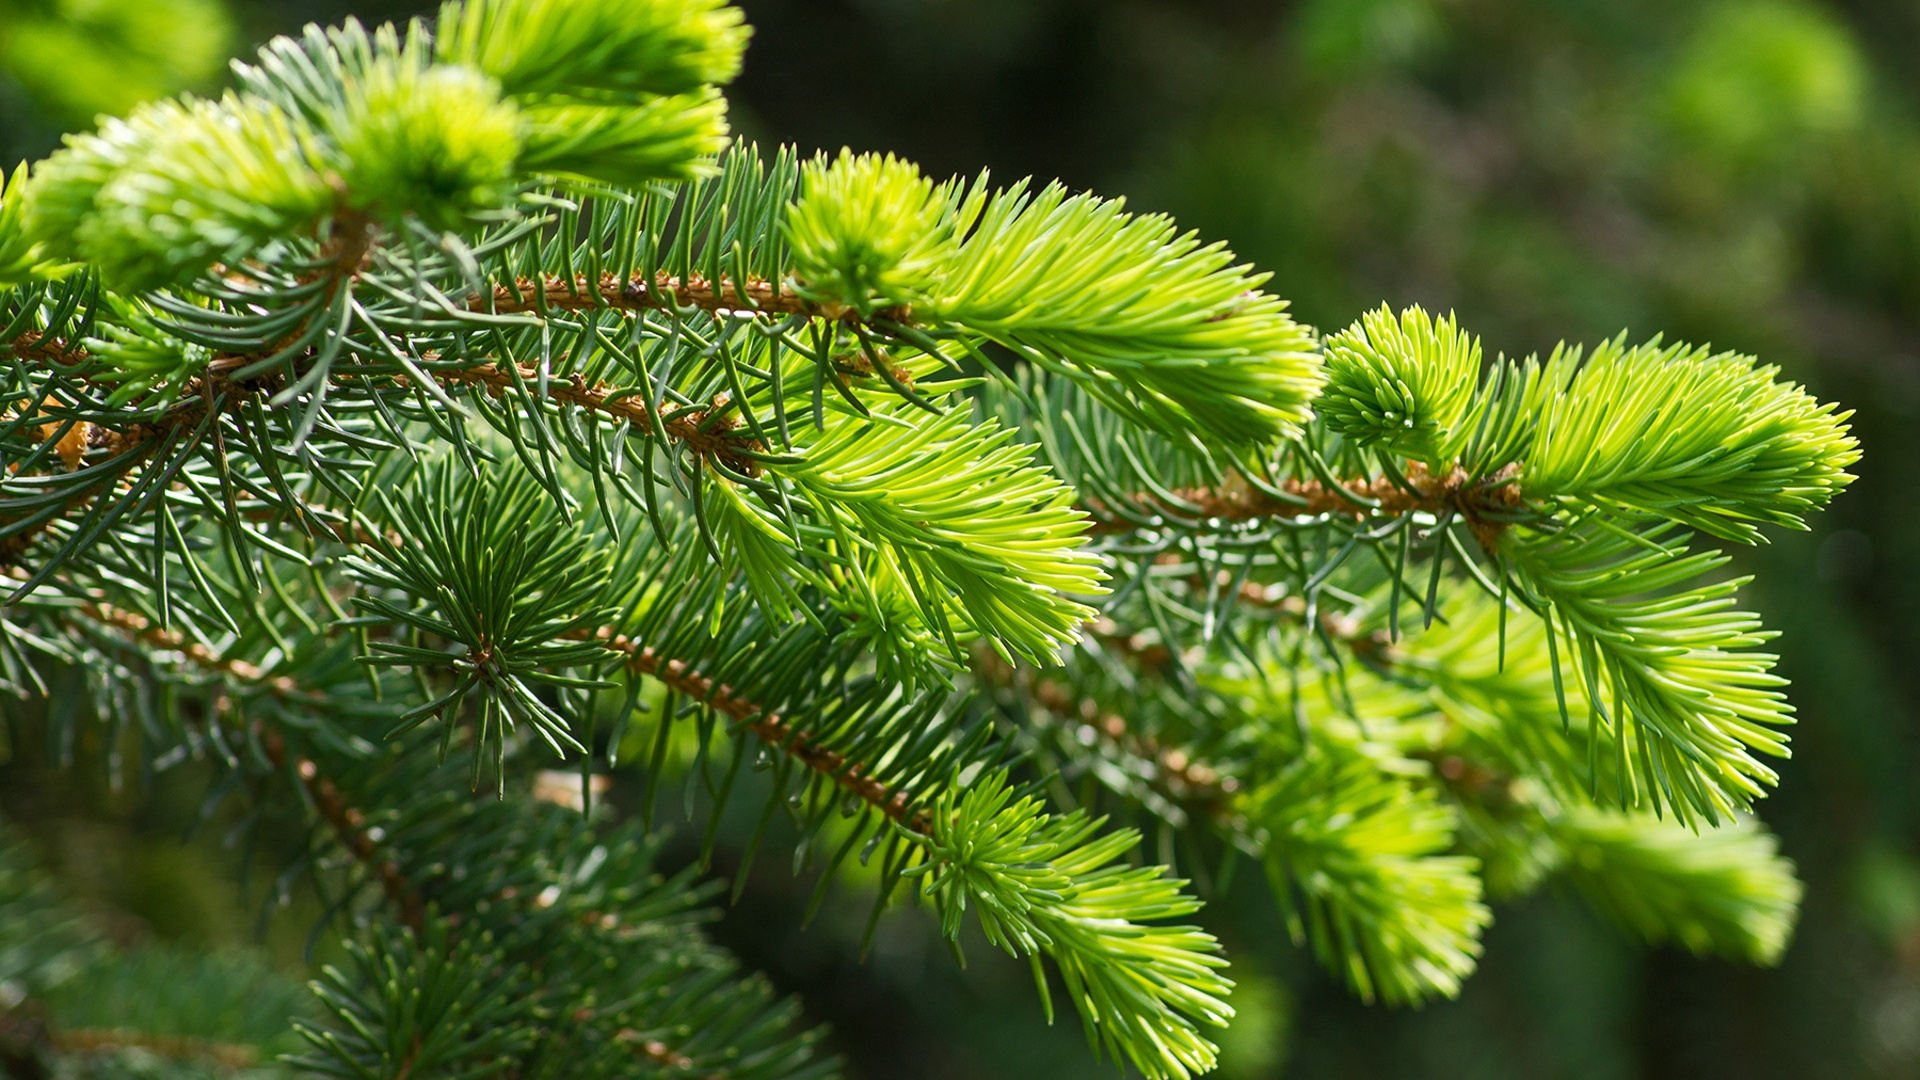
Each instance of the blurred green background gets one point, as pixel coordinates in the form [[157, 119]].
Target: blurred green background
[[1744, 172]]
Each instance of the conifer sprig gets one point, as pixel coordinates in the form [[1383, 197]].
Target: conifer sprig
[[1041, 884], [463, 371]]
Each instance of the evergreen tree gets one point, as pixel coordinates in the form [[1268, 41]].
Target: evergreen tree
[[450, 401]]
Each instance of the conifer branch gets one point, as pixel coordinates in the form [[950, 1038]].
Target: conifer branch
[[770, 728], [1478, 501], [178, 1047], [1188, 782], [663, 292], [381, 236], [350, 826], [348, 823]]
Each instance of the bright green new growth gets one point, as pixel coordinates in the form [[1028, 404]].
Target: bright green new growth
[[869, 232], [1680, 701], [1151, 322], [465, 374], [1726, 892], [1404, 385], [1041, 884], [1710, 440], [665, 138], [955, 513], [1378, 895], [155, 199], [152, 199], [141, 359], [22, 261], [433, 141], [643, 47]]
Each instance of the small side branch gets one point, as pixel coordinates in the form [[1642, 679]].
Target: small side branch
[[1482, 503], [771, 729], [663, 293], [348, 824]]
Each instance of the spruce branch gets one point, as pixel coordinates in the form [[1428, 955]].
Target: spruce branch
[[1680, 700], [771, 729], [1725, 891], [1485, 501], [465, 350], [348, 823], [1041, 884], [663, 291], [350, 828]]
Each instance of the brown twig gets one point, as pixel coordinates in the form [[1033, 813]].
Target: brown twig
[[1179, 777], [348, 823], [663, 293], [178, 1047], [774, 731], [1481, 503], [701, 431]]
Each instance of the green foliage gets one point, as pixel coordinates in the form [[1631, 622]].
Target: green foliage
[[74, 1005], [230, 999], [593, 963], [21, 258], [1362, 851], [869, 232], [959, 519], [1680, 701], [424, 1003], [153, 198], [435, 141], [792, 481], [1151, 321], [1042, 884], [565, 47], [667, 138], [142, 358], [1726, 892], [491, 568], [1711, 440], [1403, 385]]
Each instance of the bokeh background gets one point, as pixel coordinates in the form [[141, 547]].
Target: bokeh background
[[1744, 172]]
